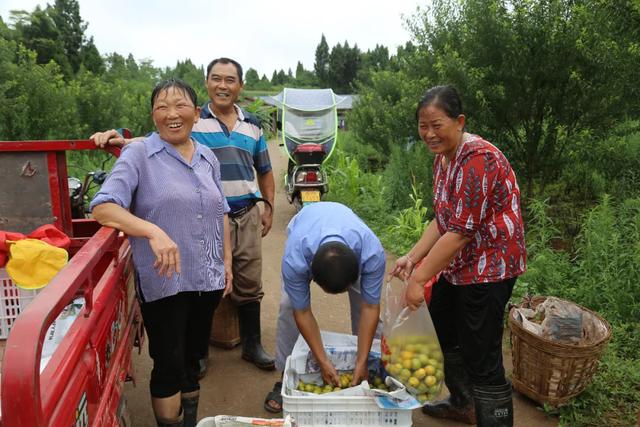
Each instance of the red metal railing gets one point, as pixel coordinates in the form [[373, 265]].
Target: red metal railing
[[24, 401]]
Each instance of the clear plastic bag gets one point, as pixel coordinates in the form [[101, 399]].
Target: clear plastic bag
[[410, 348]]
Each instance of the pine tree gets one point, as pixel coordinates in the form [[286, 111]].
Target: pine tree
[[321, 66]]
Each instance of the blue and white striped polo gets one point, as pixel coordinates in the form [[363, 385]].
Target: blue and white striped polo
[[239, 152]]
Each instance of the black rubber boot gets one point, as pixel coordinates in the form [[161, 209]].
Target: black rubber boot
[[203, 365], [252, 350], [459, 405], [494, 405], [190, 408]]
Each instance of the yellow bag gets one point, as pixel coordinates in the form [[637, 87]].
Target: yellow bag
[[33, 263]]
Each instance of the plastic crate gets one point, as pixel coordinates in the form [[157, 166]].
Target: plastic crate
[[13, 300], [231, 421], [339, 411]]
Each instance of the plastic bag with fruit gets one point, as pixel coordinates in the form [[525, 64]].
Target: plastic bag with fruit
[[410, 349]]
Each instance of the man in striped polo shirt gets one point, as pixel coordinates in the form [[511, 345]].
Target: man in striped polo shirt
[[236, 138]]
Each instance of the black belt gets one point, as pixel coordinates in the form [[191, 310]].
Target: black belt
[[240, 212]]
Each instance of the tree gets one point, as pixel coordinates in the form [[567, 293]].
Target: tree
[[534, 74], [5, 32], [132, 66], [38, 32], [344, 64], [300, 71], [403, 55], [71, 28], [36, 101], [384, 115], [91, 58], [263, 84], [251, 78], [282, 77], [42, 98], [279, 78], [376, 59], [116, 68], [321, 66], [185, 70], [304, 78]]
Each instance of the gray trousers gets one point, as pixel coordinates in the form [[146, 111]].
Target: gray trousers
[[287, 333]]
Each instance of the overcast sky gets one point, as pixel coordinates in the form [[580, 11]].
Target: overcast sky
[[265, 35]]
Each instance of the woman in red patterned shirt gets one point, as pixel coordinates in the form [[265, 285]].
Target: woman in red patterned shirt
[[477, 241]]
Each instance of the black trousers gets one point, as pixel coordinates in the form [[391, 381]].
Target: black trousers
[[178, 328], [470, 319]]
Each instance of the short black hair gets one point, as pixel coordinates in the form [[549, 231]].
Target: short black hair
[[225, 61], [445, 98], [335, 267], [176, 83]]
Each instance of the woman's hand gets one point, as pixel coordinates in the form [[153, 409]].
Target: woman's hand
[[403, 268], [414, 294], [166, 252]]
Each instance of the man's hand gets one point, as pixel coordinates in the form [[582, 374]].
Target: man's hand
[[267, 219], [369, 318], [310, 331], [110, 137], [329, 373], [228, 279], [267, 186], [360, 373]]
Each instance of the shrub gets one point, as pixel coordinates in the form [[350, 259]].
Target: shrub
[[407, 226], [602, 276], [360, 190], [410, 167], [384, 115]]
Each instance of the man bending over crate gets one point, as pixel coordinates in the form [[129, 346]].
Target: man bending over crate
[[329, 244]]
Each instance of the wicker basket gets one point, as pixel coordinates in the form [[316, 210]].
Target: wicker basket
[[549, 371], [225, 331]]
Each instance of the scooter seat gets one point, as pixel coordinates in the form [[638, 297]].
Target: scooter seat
[[311, 153]]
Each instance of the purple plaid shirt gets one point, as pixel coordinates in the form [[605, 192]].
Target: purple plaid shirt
[[185, 200]]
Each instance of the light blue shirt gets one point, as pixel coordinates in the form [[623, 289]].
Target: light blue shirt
[[155, 183], [323, 222]]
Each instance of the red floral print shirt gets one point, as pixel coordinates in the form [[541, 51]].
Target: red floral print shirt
[[477, 195]]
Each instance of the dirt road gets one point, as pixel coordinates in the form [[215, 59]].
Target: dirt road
[[234, 387]]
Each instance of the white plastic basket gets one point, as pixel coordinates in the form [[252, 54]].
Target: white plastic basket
[[13, 300], [339, 411]]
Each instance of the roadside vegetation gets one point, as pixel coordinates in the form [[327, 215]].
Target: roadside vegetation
[[552, 84]]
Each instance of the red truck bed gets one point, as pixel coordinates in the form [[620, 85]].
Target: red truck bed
[[83, 381]]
